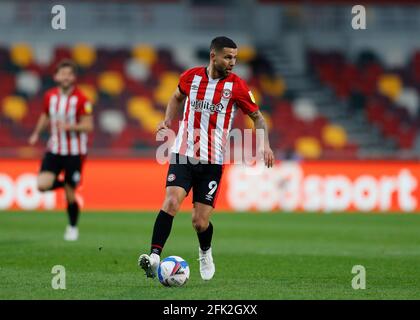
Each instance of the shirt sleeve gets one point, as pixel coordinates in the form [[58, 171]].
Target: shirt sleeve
[[185, 82], [245, 99], [46, 104], [85, 107]]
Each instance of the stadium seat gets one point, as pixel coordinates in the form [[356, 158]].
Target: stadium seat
[[273, 86], [151, 121], [61, 52], [390, 86], [308, 147], [136, 105], [14, 108], [112, 121], [8, 85], [28, 83], [390, 124], [145, 54], [137, 70], [84, 55], [409, 99], [334, 136], [185, 55], [43, 54], [142, 110], [246, 54], [243, 70], [406, 137], [21, 54], [111, 82], [167, 85], [304, 109]]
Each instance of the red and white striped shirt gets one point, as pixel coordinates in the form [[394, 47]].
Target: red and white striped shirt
[[67, 109], [209, 111]]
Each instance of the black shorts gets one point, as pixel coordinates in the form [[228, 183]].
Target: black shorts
[[72, 166], [203, 178]]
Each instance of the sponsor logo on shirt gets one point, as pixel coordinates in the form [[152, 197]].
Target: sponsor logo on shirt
[[203, 105]]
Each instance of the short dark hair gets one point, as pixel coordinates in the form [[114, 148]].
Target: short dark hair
[[219, 43], [66, 63]]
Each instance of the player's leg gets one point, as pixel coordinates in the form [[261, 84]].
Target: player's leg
[[202, 225], [205, 187], [45, 180], [48, 176], [178, 184], [73, 211], [72, 177], [162, 229], [163, 224]]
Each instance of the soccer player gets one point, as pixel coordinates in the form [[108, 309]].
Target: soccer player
[[210, 96], [69, 114]]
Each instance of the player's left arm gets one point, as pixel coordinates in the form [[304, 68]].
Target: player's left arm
[[85, 124], [261, 124], [247, 103]]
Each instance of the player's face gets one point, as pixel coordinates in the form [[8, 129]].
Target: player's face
[[65, 77], [224, 60]]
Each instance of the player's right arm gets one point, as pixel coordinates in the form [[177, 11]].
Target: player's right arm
[[174, 105], [42, 123], [40, 126]]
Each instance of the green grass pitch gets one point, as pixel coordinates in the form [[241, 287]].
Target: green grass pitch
[[257, 256]]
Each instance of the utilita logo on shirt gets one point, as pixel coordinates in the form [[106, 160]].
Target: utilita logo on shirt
[[200, 105]]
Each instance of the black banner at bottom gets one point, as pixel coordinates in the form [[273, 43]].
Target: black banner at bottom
[[204, 309]]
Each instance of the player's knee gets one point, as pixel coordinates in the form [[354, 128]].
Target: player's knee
[[70, 196], [200, 225], [171, 204], [43, 186]]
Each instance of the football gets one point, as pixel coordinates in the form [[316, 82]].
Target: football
[[173, 271]]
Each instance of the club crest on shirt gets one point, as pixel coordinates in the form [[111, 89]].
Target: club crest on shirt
[[226, 94]]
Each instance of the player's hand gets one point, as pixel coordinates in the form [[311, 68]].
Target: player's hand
[[63, 126], [33, 139], [268, 156], [162, 127]]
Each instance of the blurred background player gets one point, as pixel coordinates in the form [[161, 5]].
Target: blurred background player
[[69, 114], [210, 96]]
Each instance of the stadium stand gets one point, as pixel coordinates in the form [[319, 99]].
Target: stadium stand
[[131, 86], [387, 97]]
